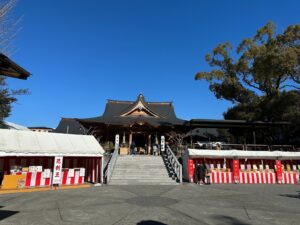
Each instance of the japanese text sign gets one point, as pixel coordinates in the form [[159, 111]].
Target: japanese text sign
[[58, 163]]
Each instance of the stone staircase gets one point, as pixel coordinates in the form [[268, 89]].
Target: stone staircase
[[140, 170]]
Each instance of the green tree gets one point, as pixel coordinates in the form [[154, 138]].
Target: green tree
[[8, 29], [262, 79]]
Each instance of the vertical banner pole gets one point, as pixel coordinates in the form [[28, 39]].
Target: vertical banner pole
[[162, 143]]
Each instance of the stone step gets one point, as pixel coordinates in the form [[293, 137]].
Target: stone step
[[139, 176], [142, 183], [140, 167], [137, 161], [140, 170], [140, 158], [140, 162], [137, 172]]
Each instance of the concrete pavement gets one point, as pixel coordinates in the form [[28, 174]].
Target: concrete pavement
[[181, 204]]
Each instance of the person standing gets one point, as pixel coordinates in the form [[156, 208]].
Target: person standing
[[207, 173], [135, 150], [197, 174], [154, 149], [132, 148], [201, 173]]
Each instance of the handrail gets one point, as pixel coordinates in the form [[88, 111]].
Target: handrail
[[111, 164], [177, 167]]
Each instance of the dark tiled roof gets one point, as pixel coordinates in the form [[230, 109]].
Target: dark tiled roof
[[42, 128], [163, 111], [69, 126], [234, 123], [160, 114], [11, 69], [114, 110]]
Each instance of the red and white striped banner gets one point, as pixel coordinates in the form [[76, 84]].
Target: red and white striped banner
[[36, 179], [290, 178], [257, 178], [220, 177], [68, 180]]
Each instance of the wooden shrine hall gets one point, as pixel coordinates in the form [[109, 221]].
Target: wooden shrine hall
[[137, 122], [144, 124]]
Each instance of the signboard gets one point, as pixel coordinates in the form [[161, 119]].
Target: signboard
[[39, 169], [162, 143], [46, 173], [117, 140], [35, 168], [82, 172], [236, 170], [71, 173], [278, 171], [58, 162], [243, 167], [32, 168]]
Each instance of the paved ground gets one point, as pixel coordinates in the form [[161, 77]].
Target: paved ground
[[143, 205]]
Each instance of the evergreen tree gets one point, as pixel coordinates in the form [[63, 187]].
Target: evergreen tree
[[262, 80]]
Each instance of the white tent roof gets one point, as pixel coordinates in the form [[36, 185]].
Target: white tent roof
[[194, 153], [15, 126], [28, 143]]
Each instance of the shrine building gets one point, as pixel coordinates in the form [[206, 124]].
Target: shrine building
[[139, 122], [144, 123]]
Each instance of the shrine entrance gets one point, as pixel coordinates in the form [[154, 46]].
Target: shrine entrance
[[140, 139], [141, 142]]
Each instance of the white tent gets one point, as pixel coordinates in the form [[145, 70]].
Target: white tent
[[15, 126], [194, 153], [28, 143]]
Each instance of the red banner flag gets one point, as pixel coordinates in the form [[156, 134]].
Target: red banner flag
[[191, 170], [236, 170], [278, 171]]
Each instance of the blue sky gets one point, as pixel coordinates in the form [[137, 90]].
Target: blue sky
[[81, 53]]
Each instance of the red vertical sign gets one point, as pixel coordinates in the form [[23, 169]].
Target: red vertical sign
[[278, 171], [191, 170], [236, 170]]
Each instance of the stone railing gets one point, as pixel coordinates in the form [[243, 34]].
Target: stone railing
[[174, 163], [110, 166]]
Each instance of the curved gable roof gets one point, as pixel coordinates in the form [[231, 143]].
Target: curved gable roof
[[119, 112]]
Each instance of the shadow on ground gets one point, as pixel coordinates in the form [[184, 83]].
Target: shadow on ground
[[228, 220], [291, 196], [150, 222], [6, 213]]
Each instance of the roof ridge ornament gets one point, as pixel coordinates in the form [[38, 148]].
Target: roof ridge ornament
[[140, 108]]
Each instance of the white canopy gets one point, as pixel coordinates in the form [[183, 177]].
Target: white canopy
[[15, 126], [29, 143], [194, 153]]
